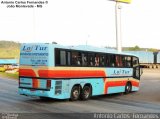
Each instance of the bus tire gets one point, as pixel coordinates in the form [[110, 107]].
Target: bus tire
[[86, 92], [75, 93], [128, 88]]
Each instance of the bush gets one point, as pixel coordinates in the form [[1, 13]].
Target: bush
[[2, 69]]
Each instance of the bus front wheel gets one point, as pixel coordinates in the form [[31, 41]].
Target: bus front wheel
[[75, 93], [86, 93], [128, 88]]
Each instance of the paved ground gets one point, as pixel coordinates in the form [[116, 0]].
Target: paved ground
[[146, 100]]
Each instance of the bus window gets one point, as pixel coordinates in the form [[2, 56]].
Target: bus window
[[62, 57], [97, 60], [91, 59], [124, 61], [112, 60], [57, 57], [68, 58], [76, 58], [108, 60], [118, 61], [128, 61], [84, 59], [102, 59], [135, 61]]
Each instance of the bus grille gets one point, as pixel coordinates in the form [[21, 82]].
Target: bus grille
[[58, 87]]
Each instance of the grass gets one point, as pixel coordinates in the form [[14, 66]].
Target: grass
[[9, 75]]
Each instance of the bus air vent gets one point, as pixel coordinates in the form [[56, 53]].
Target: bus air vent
[[58, 87]]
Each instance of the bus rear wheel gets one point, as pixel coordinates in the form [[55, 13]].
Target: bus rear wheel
[[128, 88], [75, 93], [86, 93]]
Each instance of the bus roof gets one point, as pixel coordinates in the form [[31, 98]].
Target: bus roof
[[84, 48], [92, 49]]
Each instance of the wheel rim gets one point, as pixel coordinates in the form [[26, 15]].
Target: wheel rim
[[128, 88], [76, 94], [86, 93]]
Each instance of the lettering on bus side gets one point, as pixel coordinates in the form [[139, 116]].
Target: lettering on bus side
[[120, 72], [33, 47]]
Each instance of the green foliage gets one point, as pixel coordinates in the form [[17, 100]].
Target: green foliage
[[152, 50], [9, 49], [2, 69], [137, 48], [9, 75]]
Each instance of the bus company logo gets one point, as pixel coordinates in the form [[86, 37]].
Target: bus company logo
[[33, 47], [121, 72], [27, 48]]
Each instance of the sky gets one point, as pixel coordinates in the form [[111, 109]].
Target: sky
[[83, 22]]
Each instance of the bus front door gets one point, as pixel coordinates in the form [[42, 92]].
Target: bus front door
[[136, 72]]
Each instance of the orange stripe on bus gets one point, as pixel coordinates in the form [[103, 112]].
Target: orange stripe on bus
[[134, 83], [31, 73], [118, 83], [35, 83], [27, 72], [70, 73]]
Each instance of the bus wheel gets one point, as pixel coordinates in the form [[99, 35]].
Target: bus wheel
[[86, 93], [75, 93], [128, 88]]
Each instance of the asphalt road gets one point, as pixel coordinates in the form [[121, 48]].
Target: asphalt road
[[146, 100]]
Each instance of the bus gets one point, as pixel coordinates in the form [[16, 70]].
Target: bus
[[67, 72]]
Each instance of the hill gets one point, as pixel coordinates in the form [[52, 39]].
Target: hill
[[9, 49], [137, 48]]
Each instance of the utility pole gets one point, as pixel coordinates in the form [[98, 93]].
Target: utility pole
[[118, 8], [118, 26]]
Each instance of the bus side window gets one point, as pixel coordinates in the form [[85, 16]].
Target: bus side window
[[124, 61], [62, 57], [84, 59], [120, 61], [112, 60], [96, 60], [108, 60], [68, 58], [135, 61], [91, 59], [102, 60], [76, 58], [117, 60], [79, 59], [57, 57], [128, 61]]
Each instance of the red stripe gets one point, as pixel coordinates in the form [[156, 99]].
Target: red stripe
[[118, 83], [105, 87], [134, 83], [70, 73], [27, 72], [35, 83], [31, 73], [113, 84]]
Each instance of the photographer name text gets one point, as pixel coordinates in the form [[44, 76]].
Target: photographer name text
[[24, 4]]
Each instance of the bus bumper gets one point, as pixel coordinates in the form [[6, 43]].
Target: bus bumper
[[42, 93], [33, 92]]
